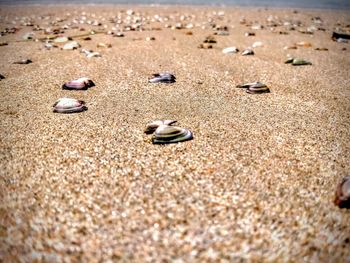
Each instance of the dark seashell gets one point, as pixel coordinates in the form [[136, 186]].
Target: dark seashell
[[165, 134], [2, 77], [258, 90], [163, 78], [205, 46], [209, 40], [67, 105], [24, 61], [249, 34], [79, 84], [342, 194], [252, 84], [255, 88], [321, 49], [336, 36], [151, 127]]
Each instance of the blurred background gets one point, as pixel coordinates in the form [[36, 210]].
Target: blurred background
[[328, 4]]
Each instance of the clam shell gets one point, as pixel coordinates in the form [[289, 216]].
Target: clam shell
[[71, 45], [258, 90], [23, 61], [300, 62], [151, 127], [230, 50], [79, 84], [247, 52], [165, 134], [163, 77], [342, 194], [252, 84], [68, 105]]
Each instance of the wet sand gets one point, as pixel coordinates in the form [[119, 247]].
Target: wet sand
[[255, 184]]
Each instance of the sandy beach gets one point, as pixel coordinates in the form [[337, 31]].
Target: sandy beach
[[257, 182]]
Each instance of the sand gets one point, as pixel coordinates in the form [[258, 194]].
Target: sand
[[255, 184]]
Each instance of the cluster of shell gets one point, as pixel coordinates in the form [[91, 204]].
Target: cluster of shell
[[164, 132], [69, 105], [254, 88]]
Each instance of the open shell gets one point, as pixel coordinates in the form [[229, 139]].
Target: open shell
[[342, 194], [78, 84], [67, 105], [151, 127], [165, 134]]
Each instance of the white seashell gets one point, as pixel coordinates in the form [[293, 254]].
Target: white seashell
[[93, 54], [230, 50], [151, 127], [71, 45], [165, 134], [247, 52], [68, 105], [79, 84], [61, 39], [257, 44]]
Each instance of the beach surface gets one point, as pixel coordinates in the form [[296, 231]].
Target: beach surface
[[256, 183]]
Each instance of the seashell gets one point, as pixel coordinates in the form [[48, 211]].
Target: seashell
[[93, 54], [336, 36], [71, 45], [104, 45], [151, 127], [222, 33], [28, 36], [304, 44], [67, 105], [3, 44], [205, 46], [79, 84], [255, 87], [342, 194], [61, 39], [2, 77], [321, 49], [257, 27], [165, 134], [249, 34], [289, 61], [247, 52], [257, 44], [150, 38], [256, 84], [290, 47], [119, 34], [209, 40], [230, 50], [163, 77], [23, 61], [300, 62]]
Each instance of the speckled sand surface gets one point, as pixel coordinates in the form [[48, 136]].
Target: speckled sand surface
[[256, 184]]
